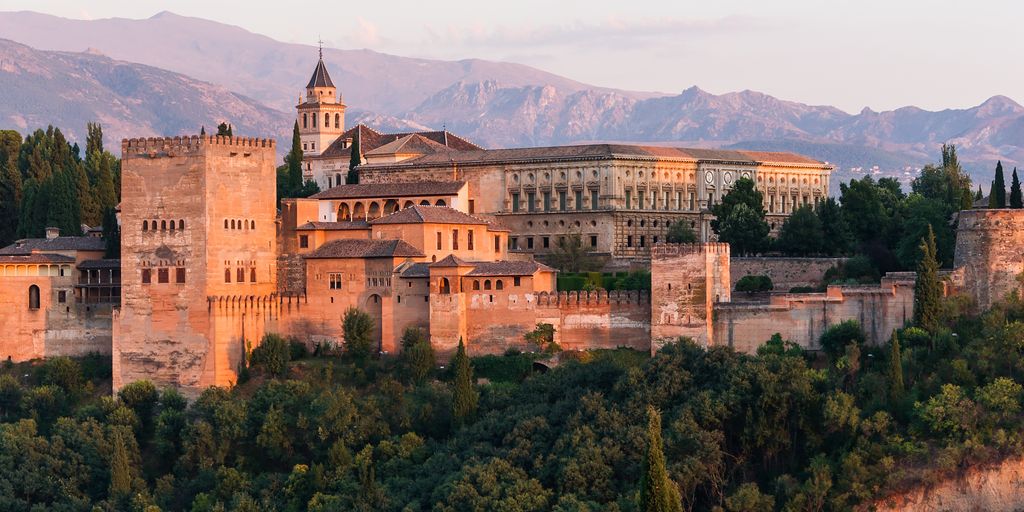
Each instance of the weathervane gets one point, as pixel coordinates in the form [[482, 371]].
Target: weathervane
[[321, 42]]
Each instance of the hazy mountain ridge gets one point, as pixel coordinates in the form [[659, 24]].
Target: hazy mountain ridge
[[130, 100], [493, 103]]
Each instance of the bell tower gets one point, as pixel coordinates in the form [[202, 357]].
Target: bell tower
[[321, 116]]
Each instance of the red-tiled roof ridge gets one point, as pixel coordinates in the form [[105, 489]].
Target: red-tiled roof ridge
[[418, 214], [451, 261], [413, 143], [364, 248], [400, 189], [334, 226]]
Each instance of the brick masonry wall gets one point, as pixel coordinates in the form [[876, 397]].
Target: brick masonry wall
[[988, 252], [786, 273]]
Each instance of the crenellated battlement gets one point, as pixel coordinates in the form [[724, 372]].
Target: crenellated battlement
[[188, 145], [665, 250], [594, 298]]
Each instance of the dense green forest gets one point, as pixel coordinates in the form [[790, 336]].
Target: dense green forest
[[47, 181]]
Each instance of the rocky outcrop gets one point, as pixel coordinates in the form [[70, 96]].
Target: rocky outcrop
[[995, 487]]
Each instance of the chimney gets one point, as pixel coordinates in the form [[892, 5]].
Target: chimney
[[52, 232]]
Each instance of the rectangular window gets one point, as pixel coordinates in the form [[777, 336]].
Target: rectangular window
[[679, 200], [547, 201], [693, 202], [472, 206], [771, 204], [312, 146], [240, 275], [654, 199], [642, 240], [629, 199], [666, 205], [594, 200], [179, 275], [640, 199], [593, 240], [62, 296], [303, 241], [147, 276], [579, 200], [455, 239], [163, 275], [629, 240], [469, 240], [516, 281], [563, 202], [529, 243], [546, 241], [531, 201], [335, 280], [513, 243], [515, 202], [439, 240], [497, 243]]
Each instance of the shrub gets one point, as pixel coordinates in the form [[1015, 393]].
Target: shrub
[[543, 336], [419, 360], [571, 283], [63, 372], [297, 349], [751, 284], [411, 336], [504, 368], [272, 354], [836, 338], [357, 326]]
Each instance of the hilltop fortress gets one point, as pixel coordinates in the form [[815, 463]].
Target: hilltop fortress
[[438, 234]]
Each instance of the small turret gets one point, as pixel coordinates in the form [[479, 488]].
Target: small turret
[[321, 116]]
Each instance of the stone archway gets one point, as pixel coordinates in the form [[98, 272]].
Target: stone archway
[[343, 213], [391, 206], [358, 213], [440, 202], [374, 211]]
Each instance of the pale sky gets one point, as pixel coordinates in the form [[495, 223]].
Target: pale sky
[[880, 54]]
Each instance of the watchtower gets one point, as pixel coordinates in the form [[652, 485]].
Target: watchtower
[[686, 281]]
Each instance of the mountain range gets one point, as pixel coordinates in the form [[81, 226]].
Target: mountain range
[[169, 73]]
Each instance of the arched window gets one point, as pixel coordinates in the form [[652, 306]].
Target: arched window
[[252, 224], [238, 224], [163, 225], [227, 275], [476, 284], [327, 120], [33, 297], [252, 275], [444, 286], [314, 117], [440, 202], [225, 223], [145, 225], [337, 179], [181, 224], [337, 121], [487, 284], [499, 285], [304, 121], [424, 203], [171, 226]]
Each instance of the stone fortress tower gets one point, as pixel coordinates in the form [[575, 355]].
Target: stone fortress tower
[[690, 280], [988, 253], [321, 116], [197, 221]]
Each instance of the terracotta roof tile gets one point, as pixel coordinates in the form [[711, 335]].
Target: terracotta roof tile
[[451, 261], [355, 248], [414, 144], [413, 270], [334, 226], [320, 77], [418, 188], [428, 215], [60, 243], [36, 258], [370, 139], [104, 263], [507, 268]]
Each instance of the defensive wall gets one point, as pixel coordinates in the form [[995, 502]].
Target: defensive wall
[[786, 273]]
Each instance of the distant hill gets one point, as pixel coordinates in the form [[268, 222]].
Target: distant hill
[[502, 104], [130, 100]]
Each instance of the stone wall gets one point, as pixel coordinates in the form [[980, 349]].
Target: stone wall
[[994, 487], [802, 318], [988, 251], [786, 273]]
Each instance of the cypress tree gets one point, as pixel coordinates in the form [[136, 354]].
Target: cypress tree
[[202, 131], [979, 194], [111, 233], [464, 394], [1015, 197], [896, 387], [294, 161], [658, 493], [120, 468], [94, 139], [928, 287], [354, 161], [10, 201], [998, 193], [224, 130], [64, 211]]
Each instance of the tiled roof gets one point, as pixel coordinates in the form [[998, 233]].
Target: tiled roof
[[370, 139], [597, 151], [320, 77], [60, 243], [507, 268], [416, 270], [451, 261], [414, 144], [428, 215], [334, 226], [36, 258], [104, 263], [416, 188], [365, 249]]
